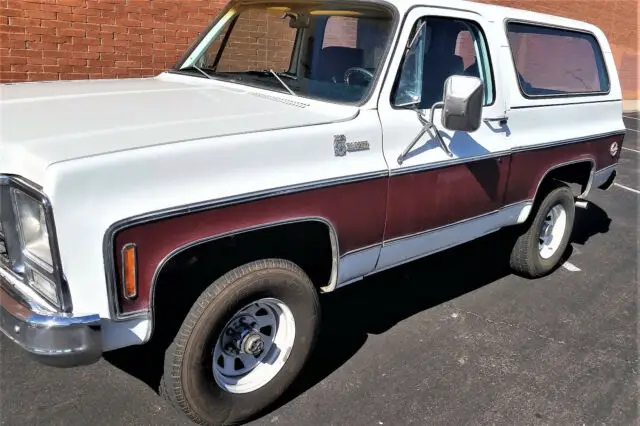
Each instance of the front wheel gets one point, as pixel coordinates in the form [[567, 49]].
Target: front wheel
[[243, 343], [539, 249]]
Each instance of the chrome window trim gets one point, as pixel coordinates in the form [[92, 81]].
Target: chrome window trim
[[35, 191], [599, 101]]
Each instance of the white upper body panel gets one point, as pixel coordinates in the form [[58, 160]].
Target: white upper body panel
[[46, 123]]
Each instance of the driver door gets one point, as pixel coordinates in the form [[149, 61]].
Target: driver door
[[437, 198]]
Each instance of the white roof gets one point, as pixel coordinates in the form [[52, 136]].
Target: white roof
[[499, 13]]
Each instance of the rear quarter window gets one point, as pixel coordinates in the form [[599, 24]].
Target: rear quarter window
[[554, 62]]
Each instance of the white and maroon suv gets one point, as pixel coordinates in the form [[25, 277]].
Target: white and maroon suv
[[297, 147]]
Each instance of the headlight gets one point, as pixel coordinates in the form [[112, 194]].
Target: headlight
[[33, 229], [34, 238]]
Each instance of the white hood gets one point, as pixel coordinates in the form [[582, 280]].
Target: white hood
[[45, 123]]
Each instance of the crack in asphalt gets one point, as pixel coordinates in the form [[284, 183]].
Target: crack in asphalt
[[531, 330]]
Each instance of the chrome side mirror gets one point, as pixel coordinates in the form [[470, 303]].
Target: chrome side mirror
[[462, 106], [461, 111]]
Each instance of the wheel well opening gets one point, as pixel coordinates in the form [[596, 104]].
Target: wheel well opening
[[185, 276], [575, 175]]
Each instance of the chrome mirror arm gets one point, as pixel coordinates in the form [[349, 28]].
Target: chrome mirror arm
[[427, 125], [412, 144]]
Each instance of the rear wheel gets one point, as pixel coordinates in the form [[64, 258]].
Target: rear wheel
[[540, 248], [243, 343]]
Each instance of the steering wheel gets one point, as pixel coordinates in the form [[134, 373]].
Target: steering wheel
[[350, 71]]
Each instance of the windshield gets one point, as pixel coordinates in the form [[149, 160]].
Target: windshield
[[324, 50]]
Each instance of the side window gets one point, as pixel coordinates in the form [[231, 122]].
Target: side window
[[446, 47], [553, 61]]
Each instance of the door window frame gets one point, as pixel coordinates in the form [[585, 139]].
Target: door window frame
[[481, 31]]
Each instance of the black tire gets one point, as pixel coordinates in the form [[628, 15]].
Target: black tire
[[188, 382], [525, 256]]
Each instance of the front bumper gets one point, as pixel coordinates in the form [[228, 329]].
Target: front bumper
[[55, 339]]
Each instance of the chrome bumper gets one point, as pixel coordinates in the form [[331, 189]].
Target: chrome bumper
[[54, 339]]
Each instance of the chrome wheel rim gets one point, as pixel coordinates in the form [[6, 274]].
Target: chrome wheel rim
[[253, 346], [552, 231]]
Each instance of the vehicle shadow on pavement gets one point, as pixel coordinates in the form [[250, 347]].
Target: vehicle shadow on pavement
[[378, 303], [589, 222]]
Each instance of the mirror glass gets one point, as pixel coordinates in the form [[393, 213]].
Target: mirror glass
[[463, 99]]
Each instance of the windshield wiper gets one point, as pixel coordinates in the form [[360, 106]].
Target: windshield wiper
[[270, 72], [197, 68], [277, 75], [285, 85]]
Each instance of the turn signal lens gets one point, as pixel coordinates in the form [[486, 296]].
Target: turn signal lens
[[129, 272]]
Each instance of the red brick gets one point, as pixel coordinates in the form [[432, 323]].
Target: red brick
[[43, 76], [11, 12], [39, 14], [42, 61], [19, 4], [44, 31], [13, 60], [101, 49], [71, 17], [27, 68], [14, 76], [66, 61], [11, 29]]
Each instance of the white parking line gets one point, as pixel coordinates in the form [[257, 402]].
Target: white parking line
[[570, 267], [631, 130], [627, 188], [633, 118], [629, 149]]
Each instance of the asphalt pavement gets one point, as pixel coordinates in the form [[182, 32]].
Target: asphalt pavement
[[453, 339]]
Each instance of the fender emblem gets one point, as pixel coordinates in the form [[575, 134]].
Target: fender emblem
[[341, 146]]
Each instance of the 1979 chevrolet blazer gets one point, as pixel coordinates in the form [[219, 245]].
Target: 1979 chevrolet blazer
[[297, 146]]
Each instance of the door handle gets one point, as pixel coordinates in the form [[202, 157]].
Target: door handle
[[502, 119]]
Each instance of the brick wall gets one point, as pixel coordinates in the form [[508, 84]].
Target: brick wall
[[79, 39], [261, 40]]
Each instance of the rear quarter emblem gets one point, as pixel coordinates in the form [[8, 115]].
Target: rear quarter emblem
[[613, 149], [341, 146]]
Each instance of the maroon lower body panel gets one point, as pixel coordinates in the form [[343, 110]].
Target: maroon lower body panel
[[434, 198], [356, 211], [367, 212], [529, 167]]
